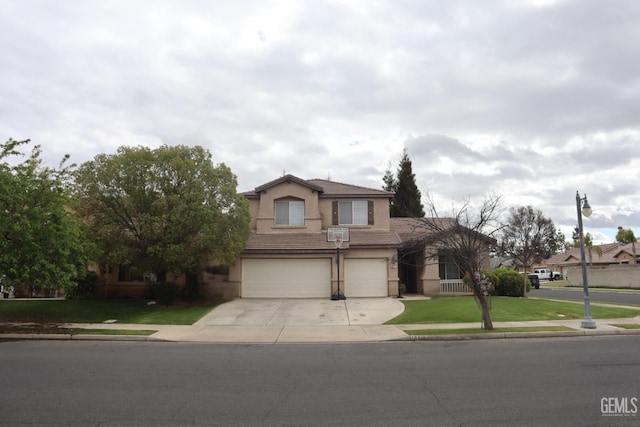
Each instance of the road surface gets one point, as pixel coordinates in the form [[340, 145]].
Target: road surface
[[528, 382], [595, 295]]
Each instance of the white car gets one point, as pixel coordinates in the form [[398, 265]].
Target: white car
[[546, 274]]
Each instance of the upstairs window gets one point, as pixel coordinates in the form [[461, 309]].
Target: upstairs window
[[354, 212], [290, 212]]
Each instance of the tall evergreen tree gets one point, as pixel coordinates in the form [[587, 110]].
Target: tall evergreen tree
[[406, 202], [390, 182]]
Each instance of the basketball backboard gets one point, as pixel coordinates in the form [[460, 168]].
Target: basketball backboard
[[340, 234]]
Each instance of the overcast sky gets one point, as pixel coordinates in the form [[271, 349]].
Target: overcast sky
[[532, 100]]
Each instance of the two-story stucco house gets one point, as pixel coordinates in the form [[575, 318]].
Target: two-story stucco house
[[288, 255]]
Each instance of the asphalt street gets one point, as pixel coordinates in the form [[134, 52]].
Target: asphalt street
[[595, 295], [560, 381]]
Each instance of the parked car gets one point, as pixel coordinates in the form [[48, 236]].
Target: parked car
[[535, 280], [546, 274]]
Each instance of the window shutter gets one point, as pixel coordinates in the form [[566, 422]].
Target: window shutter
[[370, 209], [334, 208]]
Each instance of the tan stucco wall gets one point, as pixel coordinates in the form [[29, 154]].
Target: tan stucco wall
[[263, 210], [318, 210], [381, 220], [431, 278], [622, 276]]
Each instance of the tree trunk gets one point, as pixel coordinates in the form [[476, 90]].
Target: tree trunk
[[487, 323]]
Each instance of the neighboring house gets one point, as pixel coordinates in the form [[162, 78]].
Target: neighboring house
[[601, 255], [607, 265], [288, 255]]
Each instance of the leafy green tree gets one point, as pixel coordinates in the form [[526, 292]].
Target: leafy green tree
[[528, 237], [164, 210], [406, 202], [588, 244], [561, 242], [625, 235], [390, 182], [42, 245]]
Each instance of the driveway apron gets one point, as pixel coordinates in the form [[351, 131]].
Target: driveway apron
[[303, 312]]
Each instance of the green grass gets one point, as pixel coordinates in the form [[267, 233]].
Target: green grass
[[98, 311], [504, 309], [47, 329], [554, 284], [465, 331], [627, 326]]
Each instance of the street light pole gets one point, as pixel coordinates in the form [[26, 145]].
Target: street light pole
[[587, 322]]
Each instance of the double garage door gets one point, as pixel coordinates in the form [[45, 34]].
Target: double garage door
[[311, 278]]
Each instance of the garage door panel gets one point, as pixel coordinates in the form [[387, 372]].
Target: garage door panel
[[286, 278], [366, 277]]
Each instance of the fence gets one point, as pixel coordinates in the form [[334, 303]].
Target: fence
[[454, 287]]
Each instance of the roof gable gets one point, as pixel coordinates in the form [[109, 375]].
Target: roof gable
[[288, 178], [325, 188], [339, 189]]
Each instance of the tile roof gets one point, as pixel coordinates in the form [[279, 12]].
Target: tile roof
[[317, 242], [324, 187], [337, 189], [287, 178], [417, 230], [409, 228], [610, 252]]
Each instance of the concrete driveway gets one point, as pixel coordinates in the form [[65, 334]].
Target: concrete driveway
[[303, 312]]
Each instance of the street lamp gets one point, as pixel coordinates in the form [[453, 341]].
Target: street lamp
[[587, 322]]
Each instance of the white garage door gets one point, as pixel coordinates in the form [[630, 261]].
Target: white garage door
[[365, 278], [286, 278]]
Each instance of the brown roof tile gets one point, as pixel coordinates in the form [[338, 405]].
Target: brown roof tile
[[317, 242], [337, 189], [324, 187]]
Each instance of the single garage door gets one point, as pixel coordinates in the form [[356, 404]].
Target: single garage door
[[365, 278], [286, 278]]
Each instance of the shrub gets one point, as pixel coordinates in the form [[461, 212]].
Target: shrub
[[487, 282], [162, 292], [217, 269], [87, 287], [509, 282], [402, 288]]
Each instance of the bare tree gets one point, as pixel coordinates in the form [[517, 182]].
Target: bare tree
[[466, 238]]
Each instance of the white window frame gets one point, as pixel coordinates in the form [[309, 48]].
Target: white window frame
[[294, 213], [448, 268], [356, 210]]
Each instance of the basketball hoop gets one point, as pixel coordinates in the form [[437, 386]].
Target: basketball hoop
[[338, 235]]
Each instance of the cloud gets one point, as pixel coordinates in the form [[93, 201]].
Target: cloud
[[531, 99]]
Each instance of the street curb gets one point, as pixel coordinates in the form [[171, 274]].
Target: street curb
[[449, 337], [507, 335], [77, 337]]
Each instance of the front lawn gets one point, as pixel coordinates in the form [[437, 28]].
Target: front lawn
[[503, 309], [98, 311], [467, 331]]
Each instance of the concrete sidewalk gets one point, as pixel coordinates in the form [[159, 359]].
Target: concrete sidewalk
[[319, 321], [332, 334]]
